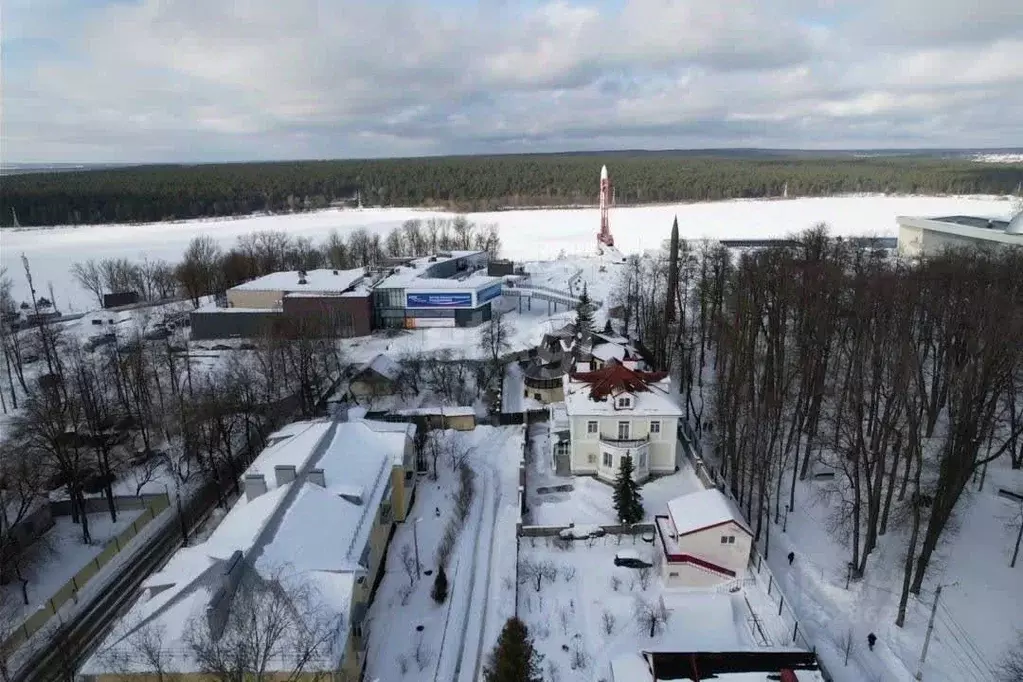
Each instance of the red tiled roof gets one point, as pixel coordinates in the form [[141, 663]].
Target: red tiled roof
[[614, 378]]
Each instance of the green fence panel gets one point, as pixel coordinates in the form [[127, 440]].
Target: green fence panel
[[108, 553], [85, 575]]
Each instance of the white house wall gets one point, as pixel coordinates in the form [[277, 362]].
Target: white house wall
[[586, 447], [707, 545]]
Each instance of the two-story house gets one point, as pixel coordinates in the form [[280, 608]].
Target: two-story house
[[618, 411]]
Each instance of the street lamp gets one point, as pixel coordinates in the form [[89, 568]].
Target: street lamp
[[415, 541]]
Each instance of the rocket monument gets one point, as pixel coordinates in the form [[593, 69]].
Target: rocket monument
[[604, 237]]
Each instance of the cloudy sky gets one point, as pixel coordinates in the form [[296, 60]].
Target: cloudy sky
[[204, 80]]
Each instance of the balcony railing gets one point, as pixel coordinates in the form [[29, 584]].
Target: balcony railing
[[624, 442]]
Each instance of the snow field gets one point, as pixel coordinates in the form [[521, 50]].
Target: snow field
[[525, 235]]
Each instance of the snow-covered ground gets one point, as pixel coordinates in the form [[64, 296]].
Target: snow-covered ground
[[974, 624], [454, 637], [525, 235], [587, 615], [554, 500], [62, 555]]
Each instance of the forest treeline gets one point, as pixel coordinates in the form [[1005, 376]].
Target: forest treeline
[[477, 183]]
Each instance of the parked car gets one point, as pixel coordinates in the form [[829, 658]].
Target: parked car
[[628, 558]]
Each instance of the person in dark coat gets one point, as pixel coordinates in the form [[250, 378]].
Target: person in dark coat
[[792, 557], [871, 640]]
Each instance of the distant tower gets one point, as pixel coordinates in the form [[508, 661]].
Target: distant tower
[[669, 310], [606, 200]]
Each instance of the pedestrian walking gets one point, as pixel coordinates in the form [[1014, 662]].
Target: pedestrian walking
[[792, 557], [871, 640]]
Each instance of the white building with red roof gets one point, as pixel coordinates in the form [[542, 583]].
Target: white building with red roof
[[616, 412], [704, 541]]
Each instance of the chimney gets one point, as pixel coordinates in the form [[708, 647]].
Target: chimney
[[316, 476], [284, 474], [255, 485]]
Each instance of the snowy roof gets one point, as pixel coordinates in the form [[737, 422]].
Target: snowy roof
[[382, 365], [315, 532], [609, 351], [418, 270], [316, 280], [701, 510], [587, 393], [294, 445], [445, 411]]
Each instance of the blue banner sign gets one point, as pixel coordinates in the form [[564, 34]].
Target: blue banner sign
[[489, 293], [453, 300]]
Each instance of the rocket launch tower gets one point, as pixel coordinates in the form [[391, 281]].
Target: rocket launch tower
[[604, 237]]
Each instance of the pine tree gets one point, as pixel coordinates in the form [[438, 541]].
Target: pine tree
[[627, 499], [514, 659], [440, 586], [608, 329], [584, 315]]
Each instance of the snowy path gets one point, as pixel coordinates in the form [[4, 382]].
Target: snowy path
[[457, 635]]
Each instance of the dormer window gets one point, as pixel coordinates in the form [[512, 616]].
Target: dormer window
[[623, 402]]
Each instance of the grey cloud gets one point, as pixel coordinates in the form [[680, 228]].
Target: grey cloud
[[189, 80]]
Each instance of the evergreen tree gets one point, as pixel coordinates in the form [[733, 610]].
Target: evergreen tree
[[584, 315], [440, 586], [627, 499], [514, 659], [607, 327]]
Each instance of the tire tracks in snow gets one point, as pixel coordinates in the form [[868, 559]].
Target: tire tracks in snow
[[493, 487]]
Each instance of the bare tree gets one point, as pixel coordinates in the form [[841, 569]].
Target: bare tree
[[408, 562], [607, 622], [1011, 667], [198, 272], [90, 278], [275, 627], [139, 647], [650, 617], [495, 341]]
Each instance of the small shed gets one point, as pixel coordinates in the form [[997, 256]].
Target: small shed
[[704, 540], [378, 377]]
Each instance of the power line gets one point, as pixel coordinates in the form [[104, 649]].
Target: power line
[[960, 658], [961, 632]]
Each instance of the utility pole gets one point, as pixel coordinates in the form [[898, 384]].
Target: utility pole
[[1019, 536], [927, 637]]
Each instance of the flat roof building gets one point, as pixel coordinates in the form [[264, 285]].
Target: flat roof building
[[927, 236], [449, 289]]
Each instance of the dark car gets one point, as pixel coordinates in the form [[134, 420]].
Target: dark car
[[629, 559]]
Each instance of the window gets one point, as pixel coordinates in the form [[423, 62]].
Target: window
[[655, 427], [608, 460], [357, 629], [592, 459], [537, 396], [625, 401], [731, 539], [591, 427], [562, 447], [623, 430], [673, 574], [727, 539]]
